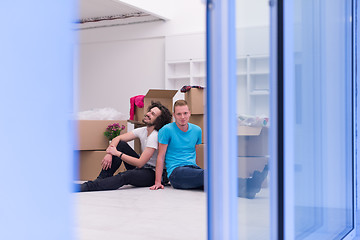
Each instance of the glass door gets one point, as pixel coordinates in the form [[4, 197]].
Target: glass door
[[314, 108], [252, 25]]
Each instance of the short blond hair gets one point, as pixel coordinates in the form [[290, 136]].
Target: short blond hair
[[181, 103]]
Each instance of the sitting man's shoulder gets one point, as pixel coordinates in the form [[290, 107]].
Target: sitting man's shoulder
[[167, 127], [195, 126]]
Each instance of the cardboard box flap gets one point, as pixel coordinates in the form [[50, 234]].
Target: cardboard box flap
[[249, 131], [163, 96], [157, 93]]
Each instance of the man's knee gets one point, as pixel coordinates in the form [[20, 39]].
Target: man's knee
[[122, 145], [175, 185]]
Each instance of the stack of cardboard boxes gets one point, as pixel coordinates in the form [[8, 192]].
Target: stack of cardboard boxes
[[91, 146], [253, 153]]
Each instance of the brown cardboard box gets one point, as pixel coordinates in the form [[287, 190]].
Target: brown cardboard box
[[165, 97], [91, 133], [200, 156], [198, 119], [253, 141], [195, 99], [90, 164]]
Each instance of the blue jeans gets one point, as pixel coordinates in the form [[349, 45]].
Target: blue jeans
[[192, 177], [187, 177]]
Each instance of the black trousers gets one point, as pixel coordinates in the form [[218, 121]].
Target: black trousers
[[138, 177]]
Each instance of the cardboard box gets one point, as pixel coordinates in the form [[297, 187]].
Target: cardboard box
[[198, 119], [91, 133], [89, 163], [200, 154], [165, 97], [253, 141], [195, 99]]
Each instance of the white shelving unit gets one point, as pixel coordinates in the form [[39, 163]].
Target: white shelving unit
[[198, 72], [258, 85], [253, 85], [188, 72], [252, 81]]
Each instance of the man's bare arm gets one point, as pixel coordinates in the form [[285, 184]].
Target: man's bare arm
[[138, 162], [159, 167], [126, 137]]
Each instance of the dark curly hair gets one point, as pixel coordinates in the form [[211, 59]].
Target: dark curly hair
[[164, 118]]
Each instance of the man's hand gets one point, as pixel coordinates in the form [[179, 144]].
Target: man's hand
[[106, 162], [112, 150], [157, 186]]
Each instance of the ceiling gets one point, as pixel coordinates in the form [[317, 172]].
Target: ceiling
[[107, 13]]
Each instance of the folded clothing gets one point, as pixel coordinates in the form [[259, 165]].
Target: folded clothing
[[187, 88]]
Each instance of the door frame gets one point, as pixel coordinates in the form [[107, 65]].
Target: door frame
[[281, 39]]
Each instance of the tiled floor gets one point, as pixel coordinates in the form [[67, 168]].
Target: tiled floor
[[138, 213]]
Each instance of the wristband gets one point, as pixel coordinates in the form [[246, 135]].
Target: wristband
[[121, 155]]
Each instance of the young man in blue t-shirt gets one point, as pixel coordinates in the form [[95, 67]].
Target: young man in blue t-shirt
[[178, 142]]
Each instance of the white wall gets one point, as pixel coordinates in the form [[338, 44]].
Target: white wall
[[116, 63], [112, 72], [132, 57], [252, 13]]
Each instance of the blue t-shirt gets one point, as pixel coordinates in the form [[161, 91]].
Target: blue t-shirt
[[181, 145]]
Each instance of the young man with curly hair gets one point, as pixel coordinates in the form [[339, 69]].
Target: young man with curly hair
[[140, 169]]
